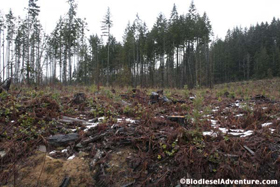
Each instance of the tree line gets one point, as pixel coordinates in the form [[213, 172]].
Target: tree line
[[250, 53], [177, 51]]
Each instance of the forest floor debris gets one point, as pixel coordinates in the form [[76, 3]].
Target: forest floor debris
[[128, 138]]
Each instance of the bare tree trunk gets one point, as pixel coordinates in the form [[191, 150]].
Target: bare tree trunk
[[137, 62], [248, 66], [60, 60], [108, 60], [0, 53], [142, 72], [8, 58], [196, 63], [3, 55], [65, 67], [162, 69], [208, 63], [167, 70], [134, 66], [70, 64], [22, 63], [38, 66], [12, 60]]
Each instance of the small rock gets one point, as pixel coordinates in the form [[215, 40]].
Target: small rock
[[42, 148]]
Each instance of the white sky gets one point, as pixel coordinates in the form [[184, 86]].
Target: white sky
[[223, 14]]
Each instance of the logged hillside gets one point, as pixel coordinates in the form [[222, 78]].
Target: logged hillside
[[90, 136]]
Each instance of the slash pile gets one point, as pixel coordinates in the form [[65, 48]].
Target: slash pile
[[135, 138]]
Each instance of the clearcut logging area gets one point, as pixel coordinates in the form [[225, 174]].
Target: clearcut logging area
[[91, 136]]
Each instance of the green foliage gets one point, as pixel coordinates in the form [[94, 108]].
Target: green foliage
[[198, 102], [26, 121], [196, 115], [56, 96], [214, 158], [184, 106], [4, 95], [207, 110], [98, 111], [171, 151], [70, 111], [226, 138], [186, 91], [231, 95], [27, 127], [219, 93], [168, 93], [93, 88], [128, 110], [106, 92]]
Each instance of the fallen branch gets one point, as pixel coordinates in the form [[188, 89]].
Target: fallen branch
[[249, 150]]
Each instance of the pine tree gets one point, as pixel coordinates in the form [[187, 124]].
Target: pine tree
[[10, 22], [2, 26], [159, 31], [107, 23]]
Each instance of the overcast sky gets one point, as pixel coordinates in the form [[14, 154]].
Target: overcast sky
[[223, 14]]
